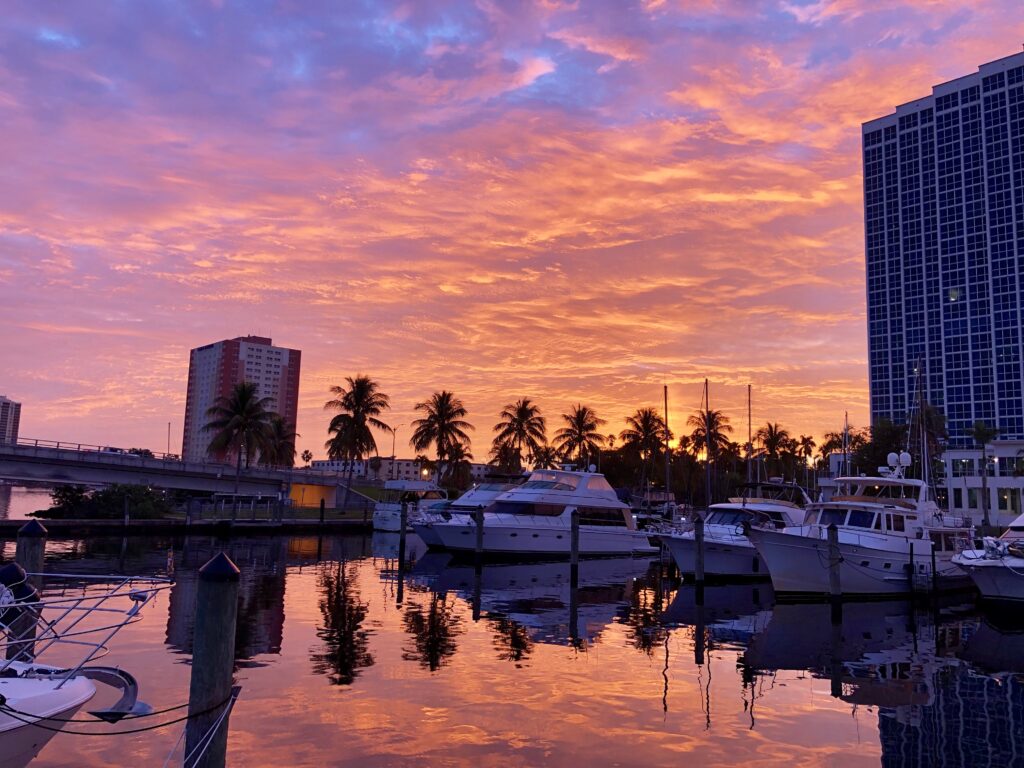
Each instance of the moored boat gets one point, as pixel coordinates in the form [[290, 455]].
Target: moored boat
[[889, 533], [534, 519], [417, 495], [997, 569], [728, 551]]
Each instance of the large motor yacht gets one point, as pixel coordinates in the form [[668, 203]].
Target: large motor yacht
[[890, 532], [727, 550], [535, 519], [416, 494], [997, 569]]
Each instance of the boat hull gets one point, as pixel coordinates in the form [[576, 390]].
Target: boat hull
[[460, 536], [20, 742], [735, 557], [996, 580], [799, 565]]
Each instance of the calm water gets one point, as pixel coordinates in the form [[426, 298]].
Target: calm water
[[18, 501], [342, 665]]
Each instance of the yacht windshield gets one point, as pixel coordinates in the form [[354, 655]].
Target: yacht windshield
[[548, 484], [526, 508], [727, 517]]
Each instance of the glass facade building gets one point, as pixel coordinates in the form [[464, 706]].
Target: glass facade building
[[944, 237]]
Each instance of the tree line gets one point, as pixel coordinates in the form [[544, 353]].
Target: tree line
[[242, 424]]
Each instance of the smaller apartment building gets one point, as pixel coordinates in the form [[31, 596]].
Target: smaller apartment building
[[1005, 481], [390, 469]]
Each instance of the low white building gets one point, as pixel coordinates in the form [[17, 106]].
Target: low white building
[[1005, 480], [386, 468]]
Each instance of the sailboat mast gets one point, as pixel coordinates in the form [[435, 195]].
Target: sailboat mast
[[667, 459], [750, 437], [707, 444]]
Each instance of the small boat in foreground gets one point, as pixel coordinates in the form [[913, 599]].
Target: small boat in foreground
[[38, 698]]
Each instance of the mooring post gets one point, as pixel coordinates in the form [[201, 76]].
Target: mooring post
[[213, 661], [366, 512], [126, 514], [323, 510], [935, 572], [834, 559], [836, 666], [478, 550], [699, 635], [574, 549], [910, 567], [698, 569], [403, 523], [29, 553]]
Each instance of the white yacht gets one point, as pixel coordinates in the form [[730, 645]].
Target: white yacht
[[477, 497], [417, 494], [997, 570], [727, 550], [535, 519], [888, 530]]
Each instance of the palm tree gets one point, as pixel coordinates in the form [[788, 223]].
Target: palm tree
[[713, 423], [351, 437], [458, 471], [774, 440], [307, 456], [580, 435], [443, 425], [645, 434], [240, 422], [807, 446], [521, 426], [983, 434], [280, 449], [546, 457]]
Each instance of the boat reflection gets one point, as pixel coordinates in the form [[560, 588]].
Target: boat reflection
[[537, 596]]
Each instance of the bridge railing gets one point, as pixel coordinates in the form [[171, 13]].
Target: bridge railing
[[59, 449], [258, 509]]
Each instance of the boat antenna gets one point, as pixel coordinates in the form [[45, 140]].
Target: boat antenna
[[846, 443]]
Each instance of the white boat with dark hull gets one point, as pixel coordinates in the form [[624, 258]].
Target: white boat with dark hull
[[417, 495], [534, 519], [997, 569], [889, 531], [728, 553]]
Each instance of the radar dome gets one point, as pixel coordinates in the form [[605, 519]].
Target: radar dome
[[905, 459], [893, 459], [592, 468]]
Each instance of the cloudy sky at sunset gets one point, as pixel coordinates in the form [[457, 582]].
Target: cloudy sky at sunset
[[573, 201]]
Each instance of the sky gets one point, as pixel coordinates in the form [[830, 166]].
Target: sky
[[576, 202]]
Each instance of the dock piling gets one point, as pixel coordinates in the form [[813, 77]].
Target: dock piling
[[213, 661], [126, 511], [323, 510], [698, 570], [834, 559], [29, 554], [478, 549], [574, 549]]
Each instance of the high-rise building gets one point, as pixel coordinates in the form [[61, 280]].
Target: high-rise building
[[10, 418], [215, 369], [944, 236]]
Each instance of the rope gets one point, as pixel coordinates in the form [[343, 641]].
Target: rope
[[18, 715], [207, 738], [5, 708]]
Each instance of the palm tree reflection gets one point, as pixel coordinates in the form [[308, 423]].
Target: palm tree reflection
[[646, 604], [433, 631], [345, 648], [511, 640]]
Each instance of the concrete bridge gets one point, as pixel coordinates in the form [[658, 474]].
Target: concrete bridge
[[61, 463]]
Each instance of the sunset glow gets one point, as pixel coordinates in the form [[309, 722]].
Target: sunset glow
[[570, 201]]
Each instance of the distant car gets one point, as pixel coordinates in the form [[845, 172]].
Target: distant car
[[110, 450]]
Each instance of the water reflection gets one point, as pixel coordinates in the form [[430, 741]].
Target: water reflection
[[630, 652], [346, 643], [433, 628]]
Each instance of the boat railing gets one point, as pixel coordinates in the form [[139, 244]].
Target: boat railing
[[82, 618], [861, 499]]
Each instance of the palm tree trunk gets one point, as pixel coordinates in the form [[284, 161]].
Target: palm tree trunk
[[348, 485]]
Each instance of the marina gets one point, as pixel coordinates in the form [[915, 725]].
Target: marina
[[344, 658]]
